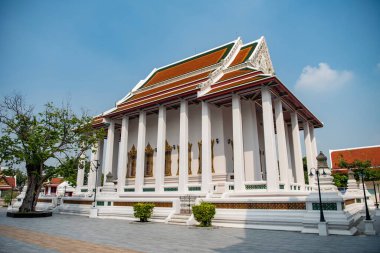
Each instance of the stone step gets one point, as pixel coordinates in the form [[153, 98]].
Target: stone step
[[180, 216]]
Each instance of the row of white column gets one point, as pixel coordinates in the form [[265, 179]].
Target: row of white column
[[278, 164]]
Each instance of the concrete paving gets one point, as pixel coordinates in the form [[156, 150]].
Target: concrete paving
[[156, 237]]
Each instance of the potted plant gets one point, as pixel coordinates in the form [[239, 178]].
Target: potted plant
[[204, 213], [143, 211]]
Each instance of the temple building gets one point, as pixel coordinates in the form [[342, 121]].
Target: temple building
[[220, 117], [220, 127]]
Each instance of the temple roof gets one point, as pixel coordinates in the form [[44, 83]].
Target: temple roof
[[188, 65], [371, 153], [222, 69], [6, 183]]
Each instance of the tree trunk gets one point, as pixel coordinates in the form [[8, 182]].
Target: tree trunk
[[33, 188]]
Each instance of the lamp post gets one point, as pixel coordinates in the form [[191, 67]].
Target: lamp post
[[374, 188], [321, 215], [322, 164], [367, 216], [96, 165]]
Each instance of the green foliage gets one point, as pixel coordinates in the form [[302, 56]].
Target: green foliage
[[8, 196], [340, 180], [305, 172], [68, 169], [143, 211], [54, 134], [361, 168], [204, 213]]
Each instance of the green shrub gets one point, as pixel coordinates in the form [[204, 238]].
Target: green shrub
[[7, 197], [143, 211], [204, 213]]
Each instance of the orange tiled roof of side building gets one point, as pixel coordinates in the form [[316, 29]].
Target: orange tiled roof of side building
[[244, 53], [198, 62], [350, 155], [56, 180]]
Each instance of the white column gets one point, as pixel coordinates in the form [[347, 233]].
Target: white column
[[109, 149], [299, 175], [123, 152], [251, 141], [92, 172], [183, 144], [309, 150], [80, 174], [140, 159], [206, 147], [281, 143], [237, 128], [269, 140], [159, 173], [313, 145], [289, 147]]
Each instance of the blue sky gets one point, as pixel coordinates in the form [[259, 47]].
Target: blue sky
[[93, 52]]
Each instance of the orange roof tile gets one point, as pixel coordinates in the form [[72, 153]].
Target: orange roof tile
[[189, 65], [244, 54], [362, 154], [159, 97], [236, 73], [166, 87], [235, 84]]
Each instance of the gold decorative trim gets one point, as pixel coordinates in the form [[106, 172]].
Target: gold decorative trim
[[77, 202], [156, 204], [149, 151], [349, 202], [168, 159], [44, 200], [199, 157], [189, 147], [131, 166], [269, 206]]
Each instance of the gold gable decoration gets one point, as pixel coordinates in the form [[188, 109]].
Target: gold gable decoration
[[168, 159], [149, 160], [189, 146], [131, 167]]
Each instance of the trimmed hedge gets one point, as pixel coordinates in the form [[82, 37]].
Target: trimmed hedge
[[143, 211], [204, 213]]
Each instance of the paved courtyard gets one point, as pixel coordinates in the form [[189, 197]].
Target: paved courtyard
[[69, 233]]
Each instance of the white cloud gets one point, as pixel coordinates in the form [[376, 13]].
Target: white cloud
[[322, 78]]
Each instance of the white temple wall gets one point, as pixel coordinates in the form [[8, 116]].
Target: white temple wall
[[218, 133], [227, 129], [195, 135], [132, 135], [151, 134], [115, 155], [103, 156], [172, 136], [247, 118], [261, 143]]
